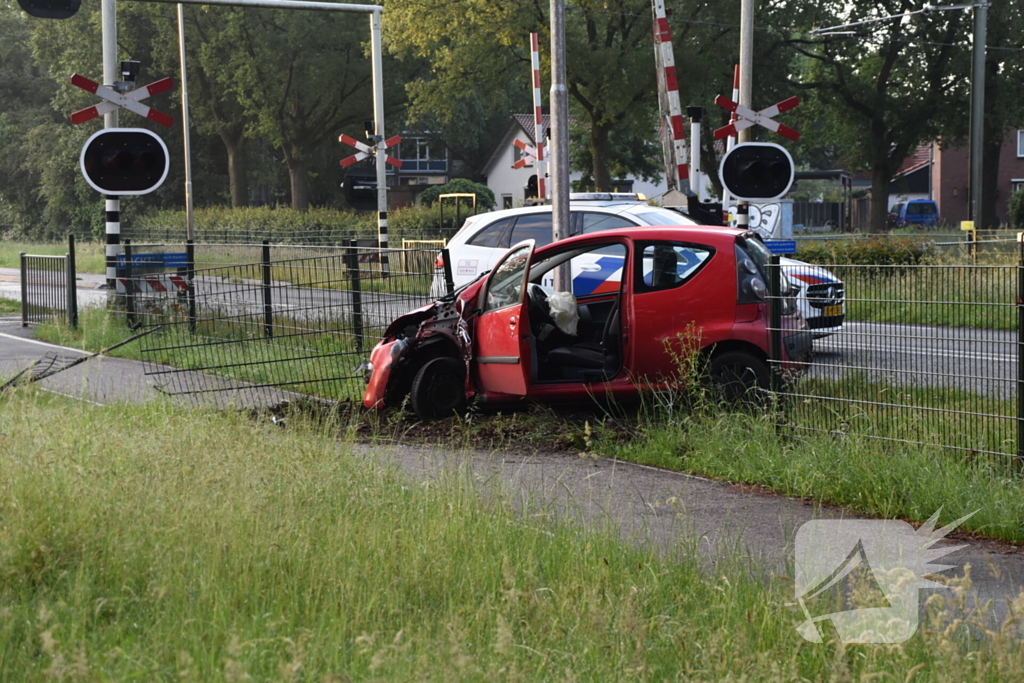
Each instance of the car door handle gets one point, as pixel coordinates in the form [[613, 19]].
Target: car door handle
[[512, 322], [590, 268]]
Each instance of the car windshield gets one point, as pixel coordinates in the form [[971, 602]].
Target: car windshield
[[655, 216], [918, 209]]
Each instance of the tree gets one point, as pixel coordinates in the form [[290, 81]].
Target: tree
[[303, 77], [892, 81]]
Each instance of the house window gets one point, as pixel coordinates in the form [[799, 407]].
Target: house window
[[506, 201], [417, 155], [1020, 143], [1016, 184]]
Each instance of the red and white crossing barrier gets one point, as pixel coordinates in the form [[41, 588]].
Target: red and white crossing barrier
[[129, 100], [765, 118], [538, 119], [670, 85], [155, 284]]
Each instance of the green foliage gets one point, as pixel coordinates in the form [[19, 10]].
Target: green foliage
[[484, 196], [876, 251], [1016, 209]]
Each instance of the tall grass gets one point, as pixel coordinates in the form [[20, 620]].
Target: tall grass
[[89, 256], [869, 476], [154, 543]]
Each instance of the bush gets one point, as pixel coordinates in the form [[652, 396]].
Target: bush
[[1017, 210], [484, 196], [875, 251]]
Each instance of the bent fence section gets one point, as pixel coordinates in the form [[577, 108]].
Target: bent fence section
[[926, 355], [235, 334]]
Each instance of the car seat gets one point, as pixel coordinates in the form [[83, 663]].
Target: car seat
[[591, 360]]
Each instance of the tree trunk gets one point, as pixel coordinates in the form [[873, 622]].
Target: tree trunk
[[599, 145], [298, 173], [880, 179], [238, 165]]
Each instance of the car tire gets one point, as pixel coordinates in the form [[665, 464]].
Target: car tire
[[439, 389], [738, 376]]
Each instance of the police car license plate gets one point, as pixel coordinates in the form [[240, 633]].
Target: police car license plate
[[833, 310]]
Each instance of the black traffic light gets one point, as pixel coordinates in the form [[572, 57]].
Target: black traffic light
[[757, 170], [120, 161], [50, 9]]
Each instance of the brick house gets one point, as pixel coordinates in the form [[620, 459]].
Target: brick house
[[944, 175]]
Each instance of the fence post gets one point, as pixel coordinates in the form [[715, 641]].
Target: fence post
[[775, 323], [190, 276], [72, 283], [357, 294], [24, 291], [1020, 350], [449, 281], [268, 305], [129, 284]]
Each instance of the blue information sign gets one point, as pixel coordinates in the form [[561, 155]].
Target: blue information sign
[[177, 260], [781, 246]]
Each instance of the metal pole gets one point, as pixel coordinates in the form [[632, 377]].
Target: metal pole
[[190, 228], [108, 23], [746, 88], [24, 290], [1020, 349], [978, 110], [268, 304], [559, 99], [72, 283], [775, 323], [129, 284], [352, 255], [190, 265], [696, 182], [377, 60]]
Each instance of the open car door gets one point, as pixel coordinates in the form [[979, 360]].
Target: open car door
[[503, 354]]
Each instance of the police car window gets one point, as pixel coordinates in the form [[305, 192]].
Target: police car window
[[596, 222], [665, 265], [663, 217], [490, 236], [535, 226]]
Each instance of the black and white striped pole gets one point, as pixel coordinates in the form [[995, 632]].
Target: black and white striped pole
[[113, 234]]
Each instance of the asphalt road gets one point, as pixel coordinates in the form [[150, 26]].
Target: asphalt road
[[980, 361]]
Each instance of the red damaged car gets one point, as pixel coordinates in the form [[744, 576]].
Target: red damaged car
[[641, 300]]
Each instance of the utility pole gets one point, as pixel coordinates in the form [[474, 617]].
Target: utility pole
[[746, 88], [978, 111], [190, 225], [111, 71], [559, 138]]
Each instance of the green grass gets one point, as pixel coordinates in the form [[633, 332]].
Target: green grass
[[9, 307], [205, 547], [89, 256], [867, 475]]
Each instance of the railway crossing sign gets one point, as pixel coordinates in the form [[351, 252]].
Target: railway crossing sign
[[765, 117], [529, 154], [130, 100], [368, 151]]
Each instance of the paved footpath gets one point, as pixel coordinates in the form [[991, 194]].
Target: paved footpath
[[665, 510]]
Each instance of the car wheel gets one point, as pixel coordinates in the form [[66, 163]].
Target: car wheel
[[738, 376], [439, 389]]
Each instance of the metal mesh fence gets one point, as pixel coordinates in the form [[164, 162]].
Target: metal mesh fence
[[301, 324], [926, 355]]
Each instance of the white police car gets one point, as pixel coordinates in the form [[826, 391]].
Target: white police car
[[485, 237]]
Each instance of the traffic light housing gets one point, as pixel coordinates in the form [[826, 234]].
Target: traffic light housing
[[757, 171], [50, 9], [124, 161]]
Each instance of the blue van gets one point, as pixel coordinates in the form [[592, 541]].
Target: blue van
[[920, 212]]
